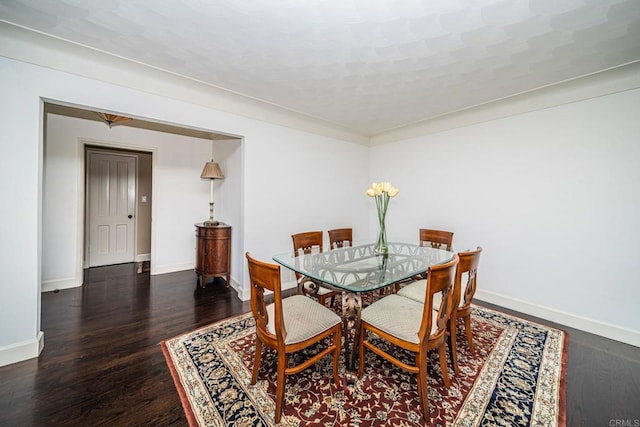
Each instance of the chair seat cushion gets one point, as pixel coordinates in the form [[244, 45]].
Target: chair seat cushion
[[415, 290], [398, 316], [303, 318]]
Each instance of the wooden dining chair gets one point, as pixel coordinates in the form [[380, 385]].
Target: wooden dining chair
[[468, 267], [461, 300], [289, 325], [436, 238], [340, 237], [304, 243], [413, 326]]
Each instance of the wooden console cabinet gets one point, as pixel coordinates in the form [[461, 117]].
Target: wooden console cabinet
[[213, 252]]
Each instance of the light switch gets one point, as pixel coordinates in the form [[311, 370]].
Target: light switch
[[143, 199]]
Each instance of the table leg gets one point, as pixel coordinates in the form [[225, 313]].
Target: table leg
[[351, 311]]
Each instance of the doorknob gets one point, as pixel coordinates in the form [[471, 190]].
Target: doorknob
[[130, 216]]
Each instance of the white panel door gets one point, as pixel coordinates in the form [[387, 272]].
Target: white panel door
[[111, 208]]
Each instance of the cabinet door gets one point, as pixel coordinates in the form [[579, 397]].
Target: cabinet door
[[216, 259]]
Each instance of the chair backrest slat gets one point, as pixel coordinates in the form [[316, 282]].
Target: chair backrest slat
[[440, 279], [303, 243], [306, 241], [264, 276], [469, 262], [338, 237], [436, 238]]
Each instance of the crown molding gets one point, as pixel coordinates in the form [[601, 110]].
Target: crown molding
[[618, 79], [36, 48]]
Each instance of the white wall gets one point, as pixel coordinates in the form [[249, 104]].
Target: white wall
[[553, 198], [292, 180], [296, 183], [228, 202], [21, 177]]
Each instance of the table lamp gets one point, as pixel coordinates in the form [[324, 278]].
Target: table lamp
[[211, 171]]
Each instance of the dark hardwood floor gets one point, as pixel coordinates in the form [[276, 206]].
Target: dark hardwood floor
[[102, 363]]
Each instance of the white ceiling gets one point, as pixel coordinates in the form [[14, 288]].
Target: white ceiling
[[367, 65]]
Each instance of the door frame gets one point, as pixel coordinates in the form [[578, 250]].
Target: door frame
[[82, 249]]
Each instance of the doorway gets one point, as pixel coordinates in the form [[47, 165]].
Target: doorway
[[70, 130]]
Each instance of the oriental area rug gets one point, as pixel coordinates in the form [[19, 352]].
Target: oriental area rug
[[516, 377]]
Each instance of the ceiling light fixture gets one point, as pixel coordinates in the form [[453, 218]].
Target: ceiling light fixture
[[112, 119]]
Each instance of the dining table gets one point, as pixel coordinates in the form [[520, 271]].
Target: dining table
[[356, 270]]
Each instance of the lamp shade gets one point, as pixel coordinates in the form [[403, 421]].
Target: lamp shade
[[211, 171]]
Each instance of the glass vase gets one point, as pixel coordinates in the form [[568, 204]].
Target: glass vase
[[381, 243]]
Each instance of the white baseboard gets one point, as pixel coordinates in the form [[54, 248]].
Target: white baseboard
[[607, 330], [245, 295], [53, 285], [143, 257], [162, 269], [22, 350]]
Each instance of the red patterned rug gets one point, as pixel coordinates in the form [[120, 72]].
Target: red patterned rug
[[515, 378]]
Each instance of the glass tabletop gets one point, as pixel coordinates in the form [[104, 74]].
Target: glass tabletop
[[359, 269]]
